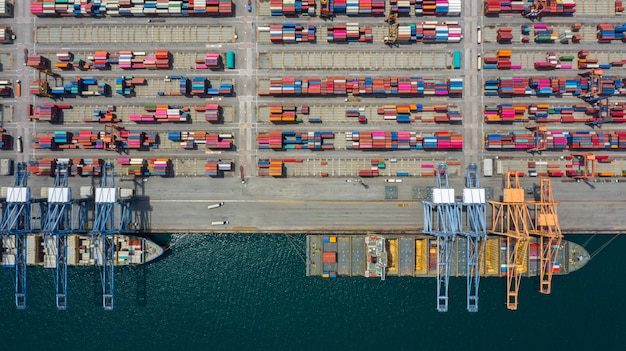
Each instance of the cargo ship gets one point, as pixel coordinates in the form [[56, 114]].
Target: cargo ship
[[378, 256], [81, 250]]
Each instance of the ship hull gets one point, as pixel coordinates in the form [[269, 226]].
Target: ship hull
[[129, 250]]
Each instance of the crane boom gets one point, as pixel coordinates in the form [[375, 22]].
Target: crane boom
[[442, 219], [476, 232], [111, 216], [512, 220], [57, 224], [16, 221], [549, 231]]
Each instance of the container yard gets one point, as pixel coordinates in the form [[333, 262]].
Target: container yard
[[330, 117], [216, 88]]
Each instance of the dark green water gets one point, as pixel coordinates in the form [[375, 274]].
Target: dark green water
[[242, 292]]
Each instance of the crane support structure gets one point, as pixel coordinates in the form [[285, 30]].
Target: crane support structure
[[442, 218], [539, 138], [63, 216], [16, 222], [111, 216], [549, 232], [511, 219], [475, 231], [392, 34], [586, 165]]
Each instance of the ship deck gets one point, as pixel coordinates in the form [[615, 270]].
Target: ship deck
[[415, 256]]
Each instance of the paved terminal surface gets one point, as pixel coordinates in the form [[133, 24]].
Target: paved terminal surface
[[334, 205], [303, 200]]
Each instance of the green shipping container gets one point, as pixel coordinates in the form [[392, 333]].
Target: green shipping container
[[457, 59], [230, 60]]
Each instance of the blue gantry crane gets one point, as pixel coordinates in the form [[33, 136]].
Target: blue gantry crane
[[442, 218], [62, 217], [111, 216], [16, 222], [475, 231]]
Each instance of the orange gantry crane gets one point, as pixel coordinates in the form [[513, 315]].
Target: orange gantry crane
[[549, 233], [512, 220], [392, 33], [110, 136], [586, 170]]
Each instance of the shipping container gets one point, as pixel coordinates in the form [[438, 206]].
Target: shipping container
[[230, 60], [457, 59], [488, 167]]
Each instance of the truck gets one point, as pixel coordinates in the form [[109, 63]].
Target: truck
[[219, 204], [18, 144], [219, 222]]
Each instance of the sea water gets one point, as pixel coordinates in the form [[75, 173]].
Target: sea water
[[250, 292]]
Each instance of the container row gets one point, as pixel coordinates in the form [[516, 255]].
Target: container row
[[406, 86], [380, 140], [530, 8], [545, 113], [295, 140], [555, 140], [554, 86], [98, 8], [76, 166]]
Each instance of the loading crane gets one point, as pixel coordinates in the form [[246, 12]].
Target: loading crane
[[539, 138], [326, 8], [60, 220], [16, 222], [442, 218], [535, 10], [593, 98], [392, 34], [108, 210], [475, 232], [588, 166], [512, 220], [110, 136], [603, 107], [594, 87], [549, 232]]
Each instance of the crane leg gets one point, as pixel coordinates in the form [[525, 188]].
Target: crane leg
[[20, 271]]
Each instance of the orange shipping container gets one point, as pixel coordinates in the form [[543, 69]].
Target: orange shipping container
[[329, 257]]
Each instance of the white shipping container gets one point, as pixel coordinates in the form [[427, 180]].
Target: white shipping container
[[499, 167], [488, 167]]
